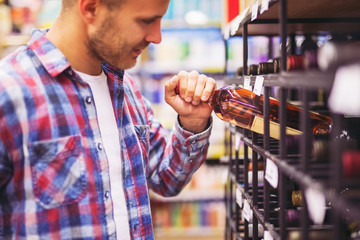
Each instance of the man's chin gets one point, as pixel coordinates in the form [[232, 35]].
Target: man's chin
[[125, 64]]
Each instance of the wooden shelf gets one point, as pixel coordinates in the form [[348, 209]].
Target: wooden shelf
[[307, 16], [310, 9], [306, 79]]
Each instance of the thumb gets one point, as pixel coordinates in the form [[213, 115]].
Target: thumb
[[171, 85]]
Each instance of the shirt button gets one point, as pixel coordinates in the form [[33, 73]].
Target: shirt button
[[192, 141], [107, 194], [99, 146], [190, 160], [88, 100], [71, 73]]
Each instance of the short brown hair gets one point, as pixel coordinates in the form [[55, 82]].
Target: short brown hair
[[67, 4]]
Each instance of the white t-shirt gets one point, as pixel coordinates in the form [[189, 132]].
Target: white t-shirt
[[110, 138]]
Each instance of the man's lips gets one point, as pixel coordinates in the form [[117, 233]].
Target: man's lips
[[137, 51]]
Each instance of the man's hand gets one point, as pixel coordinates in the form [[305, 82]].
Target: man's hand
[[190, 103]]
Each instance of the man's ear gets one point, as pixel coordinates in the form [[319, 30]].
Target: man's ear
[[89, 9]]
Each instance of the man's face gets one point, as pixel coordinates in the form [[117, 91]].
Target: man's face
[[125, 32]]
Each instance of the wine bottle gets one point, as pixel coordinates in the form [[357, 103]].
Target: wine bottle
[[351, 163], [309, 49], [268, 67], [295, 62], [244, 108], [253, 69]]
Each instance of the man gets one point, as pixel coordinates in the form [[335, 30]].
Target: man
[[79, 146]]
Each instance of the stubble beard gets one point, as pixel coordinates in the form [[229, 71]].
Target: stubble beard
[[106, 45]]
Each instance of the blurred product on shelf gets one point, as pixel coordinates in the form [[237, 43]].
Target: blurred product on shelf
[[187, 46], [260, 166], [198, 210], [267, 68], [351, 163], [5, 19], [240, 71], [253, 69], [24, 15], [260, 179], [309, 49], [235, 52], [293, 217], [183, 215], [48, 12], [244, 108], [334, 54], [314, 234], [295, 62], [320, 145], [250, 226]]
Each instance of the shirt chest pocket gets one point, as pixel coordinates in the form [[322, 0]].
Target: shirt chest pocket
[[58, 171], [142, 133]]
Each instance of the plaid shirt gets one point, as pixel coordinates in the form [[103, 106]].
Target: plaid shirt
[[54, 175]]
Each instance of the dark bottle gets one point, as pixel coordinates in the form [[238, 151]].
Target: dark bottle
[[351, 163], [293, 63], [252, 69], [244, 108], [240, 71], [266, 68], [309, 50]]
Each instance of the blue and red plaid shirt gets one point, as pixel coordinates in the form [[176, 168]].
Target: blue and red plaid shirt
[[54, 173]]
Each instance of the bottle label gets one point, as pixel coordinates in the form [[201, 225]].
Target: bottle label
[[274, 128], [272, 173]]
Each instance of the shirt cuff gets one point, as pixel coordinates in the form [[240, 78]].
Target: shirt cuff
[[190, 138]]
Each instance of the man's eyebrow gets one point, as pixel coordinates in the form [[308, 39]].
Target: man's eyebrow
[[151, 17]]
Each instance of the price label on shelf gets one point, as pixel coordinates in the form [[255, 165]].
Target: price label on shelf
[[247, 83], [267, 236], [237, 141], [316, 203], [258, 87], [247, 212], [264, 6], [254, 10], [239, 198], [272, 173]]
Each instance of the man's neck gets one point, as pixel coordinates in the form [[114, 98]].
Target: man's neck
[[69, 35]]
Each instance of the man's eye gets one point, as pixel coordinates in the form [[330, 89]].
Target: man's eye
[[148, 21]]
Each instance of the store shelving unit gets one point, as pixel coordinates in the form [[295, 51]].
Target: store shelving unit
[[255, 209], [198, 212]]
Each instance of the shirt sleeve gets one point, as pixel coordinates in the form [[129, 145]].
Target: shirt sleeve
[[5, 167], [174, 157]]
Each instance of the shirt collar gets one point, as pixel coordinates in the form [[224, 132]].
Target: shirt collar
[[51, 57], [54, 60]]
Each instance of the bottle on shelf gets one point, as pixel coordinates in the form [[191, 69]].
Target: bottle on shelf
[[272, 66], [351, 163], [309, 49], [293, 195], [240, 71], [293, 217], [244, 108], [253, 69], [293, 63]]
